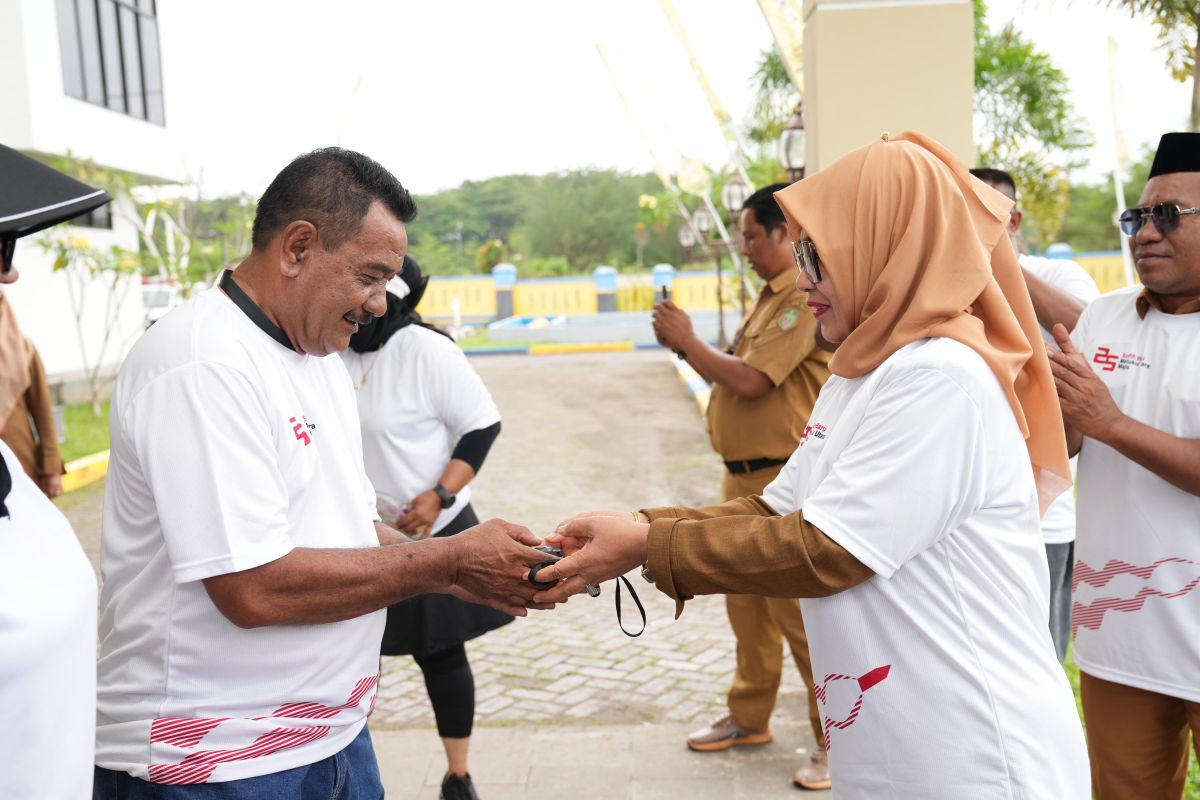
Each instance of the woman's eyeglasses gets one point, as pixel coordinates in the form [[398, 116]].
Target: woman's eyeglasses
[[807, 260], [1165, 217]]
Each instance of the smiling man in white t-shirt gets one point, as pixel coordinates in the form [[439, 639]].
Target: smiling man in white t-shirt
[[1060, 290], [1129, 382], [245, 569]]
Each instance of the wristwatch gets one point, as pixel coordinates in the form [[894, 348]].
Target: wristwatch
[[445, 494]]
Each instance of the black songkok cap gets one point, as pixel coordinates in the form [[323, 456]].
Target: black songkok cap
[[1177, 152]]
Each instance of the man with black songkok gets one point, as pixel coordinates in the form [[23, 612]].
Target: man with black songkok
[[1128, 378]]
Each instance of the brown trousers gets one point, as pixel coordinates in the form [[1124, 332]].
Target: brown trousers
[[1137, 740], [760, 624]]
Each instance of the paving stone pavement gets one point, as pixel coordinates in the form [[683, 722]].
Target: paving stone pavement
[[566, 703]]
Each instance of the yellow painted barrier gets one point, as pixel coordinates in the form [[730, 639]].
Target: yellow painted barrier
[[1106, 269], [635, 294], [83, 471], [698, 291], [476, 297], [550, 297], [579, 347]]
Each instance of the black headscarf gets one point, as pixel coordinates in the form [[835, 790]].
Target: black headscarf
[[401, 312]]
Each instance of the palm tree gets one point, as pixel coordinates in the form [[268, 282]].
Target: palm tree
[[1178, 23]]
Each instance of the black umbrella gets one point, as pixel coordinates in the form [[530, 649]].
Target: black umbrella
[[34, 196]]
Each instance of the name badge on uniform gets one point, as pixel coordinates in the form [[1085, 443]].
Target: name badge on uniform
[[788, 319]]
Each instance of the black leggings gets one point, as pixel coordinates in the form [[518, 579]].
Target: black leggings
[[451, 688]]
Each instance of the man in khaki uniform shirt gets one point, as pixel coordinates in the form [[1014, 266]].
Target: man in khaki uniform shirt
[[763, 393]]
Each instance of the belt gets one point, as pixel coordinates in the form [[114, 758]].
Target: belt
[[753, 465]]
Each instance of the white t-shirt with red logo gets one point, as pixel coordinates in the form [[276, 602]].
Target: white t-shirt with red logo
[[417, 396], [1136, 599], [936, 678], [228, 451], [1058, 523]]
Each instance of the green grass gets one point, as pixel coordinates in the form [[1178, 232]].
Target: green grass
[[1192, 790], [86, 434], [480, 340]]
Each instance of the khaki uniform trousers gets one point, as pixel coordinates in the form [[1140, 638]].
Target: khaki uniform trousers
[[760, 624], [1137, 740]]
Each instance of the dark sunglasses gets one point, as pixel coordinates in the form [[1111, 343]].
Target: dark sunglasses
[[807, 260], [1164, 215]]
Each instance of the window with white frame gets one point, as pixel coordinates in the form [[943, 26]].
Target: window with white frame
[[110, 55]]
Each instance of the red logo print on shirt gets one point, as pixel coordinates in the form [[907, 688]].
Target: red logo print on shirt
[[1091, 615], [197, 767], [816, 430], [302, 428], [1110, 360], [1106, 358], [865, 682]]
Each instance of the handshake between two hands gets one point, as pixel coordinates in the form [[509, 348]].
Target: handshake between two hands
[[493, 559]]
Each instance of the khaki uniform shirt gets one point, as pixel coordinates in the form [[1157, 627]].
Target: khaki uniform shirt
[[779, 340]]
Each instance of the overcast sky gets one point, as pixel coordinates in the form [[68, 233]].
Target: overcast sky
[[442, 91]]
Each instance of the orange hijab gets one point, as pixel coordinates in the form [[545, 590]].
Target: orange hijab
[[918, 248]]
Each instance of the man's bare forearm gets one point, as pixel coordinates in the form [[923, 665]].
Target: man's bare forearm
[[1174, 459], [1052, 305], [725, 370], [311, 585]]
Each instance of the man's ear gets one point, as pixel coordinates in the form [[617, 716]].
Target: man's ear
[[1014, 221], [781, 234], [296, 244]]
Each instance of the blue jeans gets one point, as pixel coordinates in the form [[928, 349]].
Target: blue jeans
[[1061, 558], [352, 774]]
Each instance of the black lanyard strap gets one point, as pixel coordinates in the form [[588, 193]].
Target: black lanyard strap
[[636, 601]]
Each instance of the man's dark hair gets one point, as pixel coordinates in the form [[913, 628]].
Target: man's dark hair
[[996, 177], [766, 211], [333, 189]]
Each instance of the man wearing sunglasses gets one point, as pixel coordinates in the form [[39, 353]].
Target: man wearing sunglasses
[[1128, 378], [763, 391], [1060, 289]]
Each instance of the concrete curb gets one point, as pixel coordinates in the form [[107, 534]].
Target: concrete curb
[[700, 389], [553, 348]]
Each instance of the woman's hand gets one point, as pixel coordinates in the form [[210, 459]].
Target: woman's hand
[[597, 548], [629, 515], [420, 514]]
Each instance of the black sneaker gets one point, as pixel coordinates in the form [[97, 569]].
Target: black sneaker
[[458, 787]]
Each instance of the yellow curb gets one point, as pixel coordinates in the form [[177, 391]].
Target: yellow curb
[[581, 347], [83, 471]]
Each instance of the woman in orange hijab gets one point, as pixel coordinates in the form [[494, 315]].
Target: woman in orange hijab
[[907, 519]]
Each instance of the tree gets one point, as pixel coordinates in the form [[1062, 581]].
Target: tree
[[115, 270], [775, 101], [1088, 224], [1178, 23], [489, 254], [1024, 123]]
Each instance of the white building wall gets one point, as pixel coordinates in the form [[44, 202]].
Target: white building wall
[[39, 117], [41, 299], [45, 120]]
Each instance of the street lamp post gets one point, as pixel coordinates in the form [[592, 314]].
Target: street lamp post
[[793, 143], [733, 197], [687, 240], [704, 222]]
